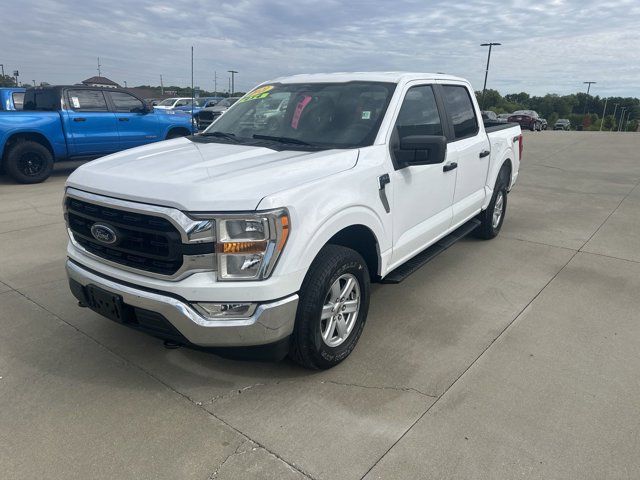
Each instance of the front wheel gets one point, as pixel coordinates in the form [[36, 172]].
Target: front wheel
[[333, 307]]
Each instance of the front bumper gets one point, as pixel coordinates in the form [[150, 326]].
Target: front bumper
[[270, 323]]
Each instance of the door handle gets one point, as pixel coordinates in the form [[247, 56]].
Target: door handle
[[123, 119], [79, 119], [450, 166], [484, 153], [383, 181]]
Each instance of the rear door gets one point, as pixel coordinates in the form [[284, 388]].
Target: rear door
[[471, 148], [423, 194], [90, 125], [136, 126]]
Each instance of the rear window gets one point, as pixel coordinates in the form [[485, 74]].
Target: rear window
[[460, 109], [41, 99]]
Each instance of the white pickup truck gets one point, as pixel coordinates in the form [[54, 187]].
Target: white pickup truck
[[266, 235]]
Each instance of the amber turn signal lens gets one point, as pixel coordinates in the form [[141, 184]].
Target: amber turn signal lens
[[241, 247], [284, 222]]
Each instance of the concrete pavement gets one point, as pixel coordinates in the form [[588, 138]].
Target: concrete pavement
[[510, 358]]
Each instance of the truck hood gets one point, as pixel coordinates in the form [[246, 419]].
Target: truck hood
[[205, 176]]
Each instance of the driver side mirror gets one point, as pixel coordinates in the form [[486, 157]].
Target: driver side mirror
[[421, 150]]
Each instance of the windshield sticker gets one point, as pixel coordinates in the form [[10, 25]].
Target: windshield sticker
[[298, 113], [258, 93], [76, 102], [366, 115]]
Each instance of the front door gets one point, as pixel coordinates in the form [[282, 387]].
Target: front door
[[423, 194], [136, 126], [91, 126]]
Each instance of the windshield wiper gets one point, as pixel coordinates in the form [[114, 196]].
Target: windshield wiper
[[228, 136], [289, 140]]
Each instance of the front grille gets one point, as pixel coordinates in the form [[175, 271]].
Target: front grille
[[145, 242]]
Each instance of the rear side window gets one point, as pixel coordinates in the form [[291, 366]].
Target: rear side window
[[87, 101], [46, 99], [419, 113], [460, 109], [125, 102]]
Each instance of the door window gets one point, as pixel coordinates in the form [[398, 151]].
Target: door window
[[125, 102], [460, 109], [87, 101], [419, 113]]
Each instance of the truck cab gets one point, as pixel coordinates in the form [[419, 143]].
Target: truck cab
[[11, 98], [268, 237]]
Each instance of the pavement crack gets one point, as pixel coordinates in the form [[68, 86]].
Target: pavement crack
[[227, 458], [383, 387]]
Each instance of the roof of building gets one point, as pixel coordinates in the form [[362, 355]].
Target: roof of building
[[99, 81]]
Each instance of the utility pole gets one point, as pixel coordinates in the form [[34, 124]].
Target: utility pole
[[614, 116], [16, 74], [215, 83], [192, 92], [486, 72], [622, 109], [233, 86], [603, 112], [584, 110], [125, 84], [161, 86], [2, 65], [99, 72]]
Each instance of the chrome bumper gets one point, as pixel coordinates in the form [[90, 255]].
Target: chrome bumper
[[270, 323]]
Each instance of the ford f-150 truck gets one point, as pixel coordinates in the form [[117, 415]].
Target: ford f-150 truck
[[77, 122], [268, 236]]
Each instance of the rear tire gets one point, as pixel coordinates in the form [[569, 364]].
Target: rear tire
[[29, 162], [493, 217], [333, 307]]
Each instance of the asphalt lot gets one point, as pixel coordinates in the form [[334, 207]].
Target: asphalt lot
[[513, 358]]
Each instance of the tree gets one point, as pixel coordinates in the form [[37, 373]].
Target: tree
[[7, 81]]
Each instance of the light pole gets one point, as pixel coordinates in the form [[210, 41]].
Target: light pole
[[604, 110], [614, 116], [622, 109], [486, 72], [586, 101], [233, 87], [2, 65], [125, 84]]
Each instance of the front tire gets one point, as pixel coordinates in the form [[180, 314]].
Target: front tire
[[333, 307], [29, 162], [493, 217]]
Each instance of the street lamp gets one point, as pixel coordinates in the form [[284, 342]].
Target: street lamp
[[584, 110], [233, 88], [486, 72], [622, 109], [614, 116]]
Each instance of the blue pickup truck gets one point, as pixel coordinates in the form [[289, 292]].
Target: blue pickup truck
[[11, 98], [76, 122]]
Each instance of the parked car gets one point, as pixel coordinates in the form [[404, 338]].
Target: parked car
[[503, 117], [242, 238], [199, 104], [272, 111], [11, 98], [544, 125], [527, 119], [78, 122], [489, 115], [171, 103], [562, 124], [207, 116]]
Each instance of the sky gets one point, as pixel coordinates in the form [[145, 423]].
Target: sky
[[548, 46]]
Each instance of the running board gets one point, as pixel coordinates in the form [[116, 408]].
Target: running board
[[415, 263]]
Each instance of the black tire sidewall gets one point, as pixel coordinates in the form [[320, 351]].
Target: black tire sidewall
[[12, 162], [332, 262]]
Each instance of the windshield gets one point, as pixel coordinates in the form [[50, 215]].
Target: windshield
[[168, 102], [328, 115]]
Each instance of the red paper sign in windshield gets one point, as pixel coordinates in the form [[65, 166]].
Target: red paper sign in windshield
[[298, 113]]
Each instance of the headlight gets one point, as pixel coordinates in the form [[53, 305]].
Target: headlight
[[248, 246]]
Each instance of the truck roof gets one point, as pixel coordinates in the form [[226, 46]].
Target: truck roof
[[391, 77]]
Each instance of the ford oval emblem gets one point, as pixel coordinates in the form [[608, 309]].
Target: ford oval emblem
[[104, 233]]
